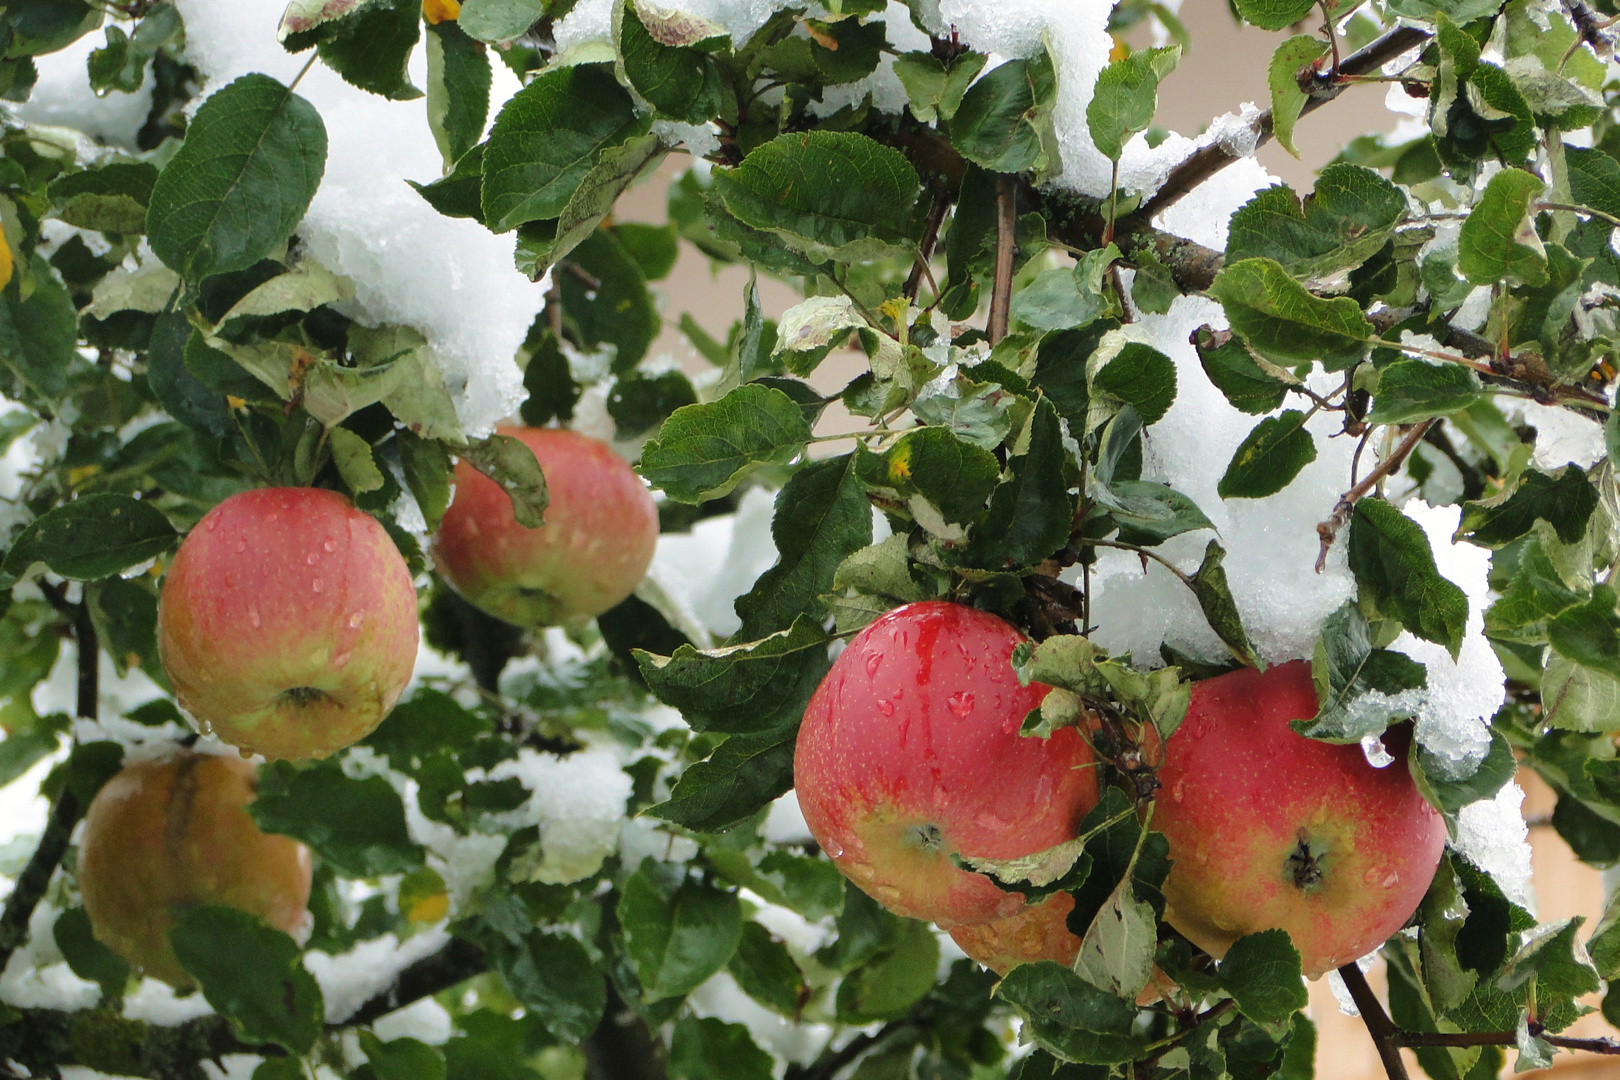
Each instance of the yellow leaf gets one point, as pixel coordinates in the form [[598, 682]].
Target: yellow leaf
[[1120, 50], [429, 909], [5, 261], [438, 11], [79, 475], [235, 402]]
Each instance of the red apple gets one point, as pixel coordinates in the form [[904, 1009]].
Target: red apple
[[1037, 932], [162, 837], [1270, 829], [591, 553], [287, 622], [910, 753]]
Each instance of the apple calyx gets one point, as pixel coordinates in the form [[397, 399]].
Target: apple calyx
[[1306, 865]]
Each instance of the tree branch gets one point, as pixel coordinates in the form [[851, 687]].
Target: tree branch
[[1329, 530], [1385, 1034], [1001, 291], [457, 962], [925, 249], [827, 1065]]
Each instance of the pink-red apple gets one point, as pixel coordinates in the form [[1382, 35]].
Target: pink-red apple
[[910, 752], [287, 622], [163, 837], [593, 550], [1270, 829]]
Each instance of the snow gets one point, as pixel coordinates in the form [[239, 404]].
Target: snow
[[449, 278], [1492, 833], [578, 802], [1563, 436], [701, 587], [350, 979], [424, 1019], [888, 94], [796, 1043], [36, 976], [62, 97]]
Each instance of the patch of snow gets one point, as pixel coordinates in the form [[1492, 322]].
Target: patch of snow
[[578, 802], [350, 979], [1492, 833], [62, 97]]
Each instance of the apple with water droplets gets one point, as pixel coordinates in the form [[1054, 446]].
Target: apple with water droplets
[[910, 753], [1038, 931], [164, 836], [1268, 828], [598, 539], [287, 622]]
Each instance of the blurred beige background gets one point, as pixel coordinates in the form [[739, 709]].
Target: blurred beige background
[[1225, 67]]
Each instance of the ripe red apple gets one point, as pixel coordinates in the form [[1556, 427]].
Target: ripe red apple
[[591, 553], [1270, 829], [1036, 932], [910, 752], [162, 837], [287, 622]]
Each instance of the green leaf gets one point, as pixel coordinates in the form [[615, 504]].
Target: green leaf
[[1565, 502], [1116, 954], [1149, 513], [125, 617], [886, 987], [1498, 241], [550, 383], [94, 536], [822, 517], [1286, 324], [953, 476], [430, 722], [1127, 96], [547, 137], [1273, 14], [1220, 609], [251, 973], [703, 451], [240, 183], [1137, 374], [111, 198], [495, 21], [1390, 555], [458, 80], [1347, 219], [745, 774], [1450, 796], [357, 826], [372, 47], [935, 89], [618, 310], [1553, 956], [1594, 178], [711, 1049], [681, 82], [402, 1059], [1069, 1017], [556, 980], [85, 954], [1270, 457], [427, 467], [1236, 374], [1345, 668], [457, 193], [749, 687], [677, 931], [593, 199], [352, 455], [767, 972], [39, 338], [511, 464], [1004, 123], [1059, 299], [1412, 390], [1589, 634], [638, 403], [828, 194], [1282, 77], [1031, 511], [1262, 973], [1578, 698]]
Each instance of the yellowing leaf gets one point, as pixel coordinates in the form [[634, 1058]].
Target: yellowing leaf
[[438, 11], [430, 909], [5, 261]]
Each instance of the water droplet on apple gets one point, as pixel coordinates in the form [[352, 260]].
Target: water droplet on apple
[[887, 895], [309, 560], [885, 706], [355, 620], [330, 545], [961, 703], [253, 615], [341, 658], [317, 585], [1177, 791], [213, 523], [835, 850], [873, 662], [1392, 880], [241, 546]]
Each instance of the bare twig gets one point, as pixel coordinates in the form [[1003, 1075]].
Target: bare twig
[[925, 249], [1504, 1038], [1329, 530], [1006, 225], [1385, 1035]]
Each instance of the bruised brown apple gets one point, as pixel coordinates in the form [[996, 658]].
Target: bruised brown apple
[[1038, 931], [910, 753], [598, 539], [287, 622], [1268, 828], [163, 837]]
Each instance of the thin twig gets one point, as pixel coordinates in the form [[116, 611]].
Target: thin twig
[[1001, 291], [1329, 530], [1503, 1038], [925, 248], [1385, 1034], [1333, 35]]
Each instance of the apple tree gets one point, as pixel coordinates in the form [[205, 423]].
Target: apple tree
[[1171, 428]]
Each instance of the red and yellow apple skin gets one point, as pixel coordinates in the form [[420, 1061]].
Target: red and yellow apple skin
[[287, 622], [597, 541], [1038, 931], [910, 752], [1270, 829], [162, 837]]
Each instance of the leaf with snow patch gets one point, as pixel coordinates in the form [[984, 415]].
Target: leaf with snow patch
[[811, 329], [703, 451], [1149, 513], [1450, 796], [1565, 501], [1066, 660], [1274, 14], [1589, 634], [1345, 668], [1283, 322], [239, 184], [832, 195], [495, 21], [547, 138], [1413, 390], [458, 81], [1350, 215], [512, 465], [1247, 386], [1282, 77], [1498, 241], [1458, 11], [1391, 557], [1004, 123], [979, 412], [1270, 457], [733, 784], [665, 58], [302, 16], [1262, 973], [1126, 97], [745, 687]]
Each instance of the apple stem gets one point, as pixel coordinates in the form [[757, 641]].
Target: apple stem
[[1385, 1035]]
